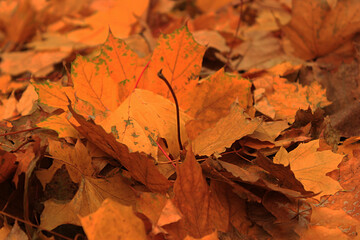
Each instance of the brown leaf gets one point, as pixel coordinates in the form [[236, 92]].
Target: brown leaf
[[316, 29], [284, 174], [140, 165], [7, 166], [192, 197]]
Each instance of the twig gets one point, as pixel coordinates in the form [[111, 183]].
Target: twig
[[33, 225], [162, 77], [25, 130]]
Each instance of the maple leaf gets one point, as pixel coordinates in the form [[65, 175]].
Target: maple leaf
[[119, 16], [192, 198], [76, 159], [180, 58], [330, 224], [122, 64], [317, 29], [54, 94], [310, 167], [143, 118], [91, 193], [119, 221], [228, 129], [281, 172], [60, 124], [140, 165], [206, 102], [282, 99], [93, 84], [151, 205]]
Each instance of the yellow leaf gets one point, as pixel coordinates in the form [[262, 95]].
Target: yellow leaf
[[60, 124], [310, 167], [119, 17], [91, 193], [113, 221], [142, 118], [210, 99], [226, 131], [53, 94]]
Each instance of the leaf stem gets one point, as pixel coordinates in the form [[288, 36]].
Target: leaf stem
[[162, 77]]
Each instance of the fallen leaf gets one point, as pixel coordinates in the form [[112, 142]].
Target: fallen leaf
[[211, 236], [24, 158], [151, 205], [286, 98], [143, 118], [192, 198], [119, 17], [140, 165], [7, 166], [180, 58], [282, 173], [89, 197], [39, 63], [122, 63], [208, 5], [76, 159], [113, 221], [54, 94], [15, 233], [207, 103], [60, 124], [27, 101], [93, 84], [330, 224], [226, 131], [310, 167], [316, 29]]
